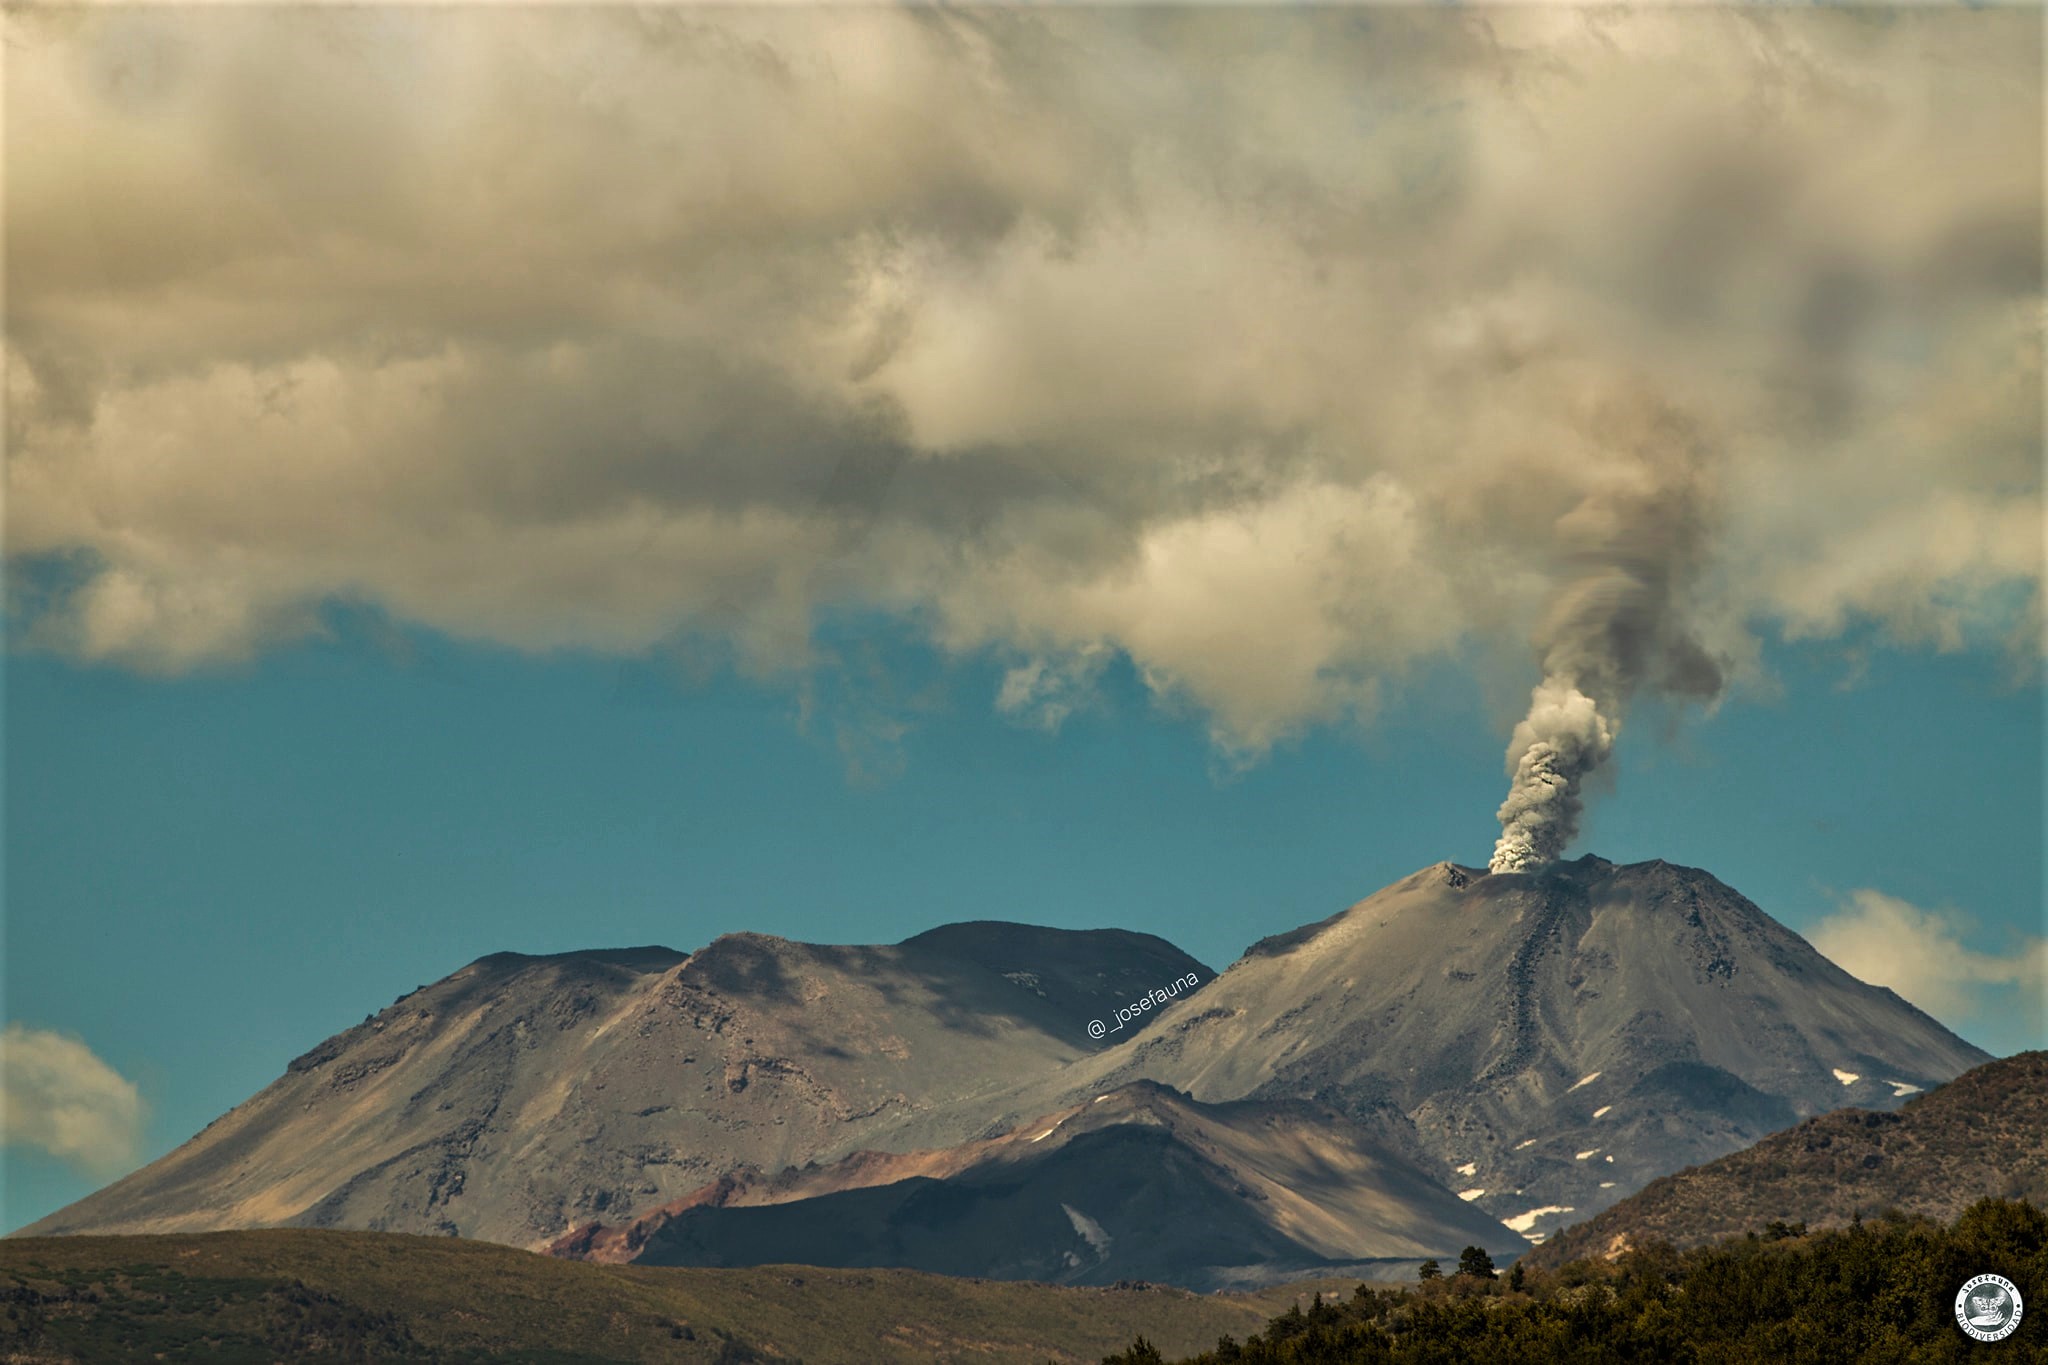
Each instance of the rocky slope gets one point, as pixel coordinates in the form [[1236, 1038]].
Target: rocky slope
[[1983, 1134], [522, 1095], [1556, 1039], [1543, 1043], [1136, 1183]]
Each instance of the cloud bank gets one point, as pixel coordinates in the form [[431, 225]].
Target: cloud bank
[[1922, 954], [58, 1097], [1275, 351]]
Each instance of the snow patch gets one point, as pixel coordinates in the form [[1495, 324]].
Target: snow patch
[[1586, 1079], [1601, 1110], [1469, 1195], [1608, 1159], [1846, 1077], [1469, 1168], [1607, 1184], [1525, 1142], [1900, 1089], [1047, 1133], [1522, 1222], [1581, 1156]]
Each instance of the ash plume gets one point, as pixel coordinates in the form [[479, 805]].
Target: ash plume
[[1631, 548], [1563, 738]]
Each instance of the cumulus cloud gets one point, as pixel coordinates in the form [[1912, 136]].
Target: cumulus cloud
[[1273, 350], [57, 1096], [1925, 956]]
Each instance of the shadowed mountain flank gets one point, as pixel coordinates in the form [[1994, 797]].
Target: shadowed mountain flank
[[1138, 1183]]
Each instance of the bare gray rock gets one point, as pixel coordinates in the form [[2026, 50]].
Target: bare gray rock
[[1555, 1040], [1140, 1183], [522, 1096], [1542, 1044]]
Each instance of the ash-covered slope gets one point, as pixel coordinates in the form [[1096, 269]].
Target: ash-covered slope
[[1557, 1039], [1984, 1134], [1545, 1043], [522, 1096], [1137, 1183]]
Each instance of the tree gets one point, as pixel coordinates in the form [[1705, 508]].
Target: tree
[[1475, 1262], [1431, 1270], [1515, 1277]]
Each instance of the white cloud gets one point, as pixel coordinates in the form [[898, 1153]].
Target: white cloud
[[1277, 350], [58, 1096], [1925, 956]]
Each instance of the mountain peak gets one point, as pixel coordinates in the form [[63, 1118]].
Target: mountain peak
[[646, 957], [523, 1093], [977, 939], [1557, 1037]]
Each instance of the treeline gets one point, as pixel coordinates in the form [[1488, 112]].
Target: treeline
[[1875, 1293]]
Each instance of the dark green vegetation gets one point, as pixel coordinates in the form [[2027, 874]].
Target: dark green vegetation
[[1985, 1133], [301, 1294], [1876, 1293]]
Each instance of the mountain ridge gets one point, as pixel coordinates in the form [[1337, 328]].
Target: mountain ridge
[[1985, 1133], [523, 1094], [1543, 1043]]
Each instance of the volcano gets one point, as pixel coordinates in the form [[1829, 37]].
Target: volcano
[[1549, 1041], [1539, 1044]]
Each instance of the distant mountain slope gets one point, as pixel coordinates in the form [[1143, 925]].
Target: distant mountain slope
[[1544, 1043], [522, 1095], [1556, 1039], [1983, 1134], [1137, 1183], [293, 1294]]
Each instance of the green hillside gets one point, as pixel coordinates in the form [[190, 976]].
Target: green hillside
[[262, 1296], [1876, 1293]]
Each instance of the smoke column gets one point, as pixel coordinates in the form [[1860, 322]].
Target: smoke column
[[1630, 547], [1563, 738]]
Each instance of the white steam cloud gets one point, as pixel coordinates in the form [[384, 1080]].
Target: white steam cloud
[[58, 1096], [1926, 956]]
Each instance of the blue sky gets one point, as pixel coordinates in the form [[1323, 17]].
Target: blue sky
[[532, 478], [205, 876]]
